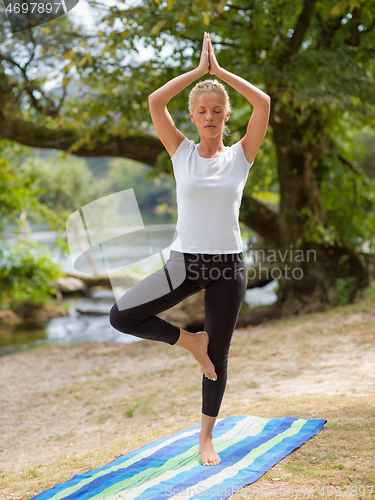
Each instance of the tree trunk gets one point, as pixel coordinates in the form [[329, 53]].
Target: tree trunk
[[319, 269]]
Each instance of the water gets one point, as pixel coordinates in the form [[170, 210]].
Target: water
[[72, 329], [76, 327]]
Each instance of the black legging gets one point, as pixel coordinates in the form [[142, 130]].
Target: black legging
[[224, 279]]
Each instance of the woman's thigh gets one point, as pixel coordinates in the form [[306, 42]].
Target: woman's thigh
[[160, 290], [223, 301]]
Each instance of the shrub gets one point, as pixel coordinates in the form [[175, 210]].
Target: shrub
[[345, 291], [26, 274]]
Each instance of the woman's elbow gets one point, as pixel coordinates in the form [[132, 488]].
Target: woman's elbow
[[154, 99]]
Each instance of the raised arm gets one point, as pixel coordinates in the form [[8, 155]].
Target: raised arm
[[169, 135], [261, 102]]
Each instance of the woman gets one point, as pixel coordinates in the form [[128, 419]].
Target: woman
[[210, 180]]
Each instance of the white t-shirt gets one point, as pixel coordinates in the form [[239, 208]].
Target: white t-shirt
[[209, 193]]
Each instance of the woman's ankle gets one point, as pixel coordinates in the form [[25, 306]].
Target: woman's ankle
[[205, 436], [184, 339]]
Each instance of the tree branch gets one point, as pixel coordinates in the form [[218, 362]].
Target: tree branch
[[328, 31], [355, 22], [239, 7], [143, 148], [302, 26], [354, 33], [30, 86], [348, 163], [31, 35], [222, 42]]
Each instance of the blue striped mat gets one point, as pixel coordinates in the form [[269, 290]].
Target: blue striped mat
[[171, 468]]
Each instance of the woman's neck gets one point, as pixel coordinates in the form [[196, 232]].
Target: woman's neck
[[208, 148]]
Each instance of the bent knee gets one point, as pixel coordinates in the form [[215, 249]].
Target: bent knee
[[114, 316], [124, 320]]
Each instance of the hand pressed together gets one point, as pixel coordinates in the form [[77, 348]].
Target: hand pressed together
[[208, 62]]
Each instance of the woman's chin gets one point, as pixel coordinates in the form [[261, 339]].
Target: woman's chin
[[210, 133]]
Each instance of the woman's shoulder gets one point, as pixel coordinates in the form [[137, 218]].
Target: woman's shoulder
[[237, 149], [236, 145], [184, 145]]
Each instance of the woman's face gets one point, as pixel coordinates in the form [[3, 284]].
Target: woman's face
[[209, 114]]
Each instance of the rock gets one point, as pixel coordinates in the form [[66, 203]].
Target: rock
[[69, 285], [30, 313], [46, 313], [92, 312], [38, 314], [126, 280], [9, 317]]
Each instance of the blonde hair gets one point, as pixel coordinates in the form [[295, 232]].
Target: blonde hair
[[210, 86]]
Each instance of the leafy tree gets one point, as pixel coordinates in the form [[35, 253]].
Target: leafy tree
[[314, 58], [150, 191], [26, 273], [17, 194], [64, 185], [44, 191]]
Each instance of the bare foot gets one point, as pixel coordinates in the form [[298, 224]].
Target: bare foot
[[200, 354], [208, 454], [197, 344]]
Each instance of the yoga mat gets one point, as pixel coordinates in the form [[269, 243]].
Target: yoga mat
[[170, 467]]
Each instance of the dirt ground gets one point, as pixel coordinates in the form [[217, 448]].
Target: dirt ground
[[64, 410]]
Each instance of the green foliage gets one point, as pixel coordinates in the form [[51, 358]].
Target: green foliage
[[349, 199], [26, 274], [262, 182], [63, 184], [315, 230], [44, 190], [151, 191], [364, 153], [17, 194], [345, 290]]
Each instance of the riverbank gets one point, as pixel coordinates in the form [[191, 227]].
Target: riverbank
[[68, 409], [35, 316]]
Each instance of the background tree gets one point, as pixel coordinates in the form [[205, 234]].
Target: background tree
[[314, 58], [18, 195]]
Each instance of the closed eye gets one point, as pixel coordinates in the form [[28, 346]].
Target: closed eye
[[201, 112]]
